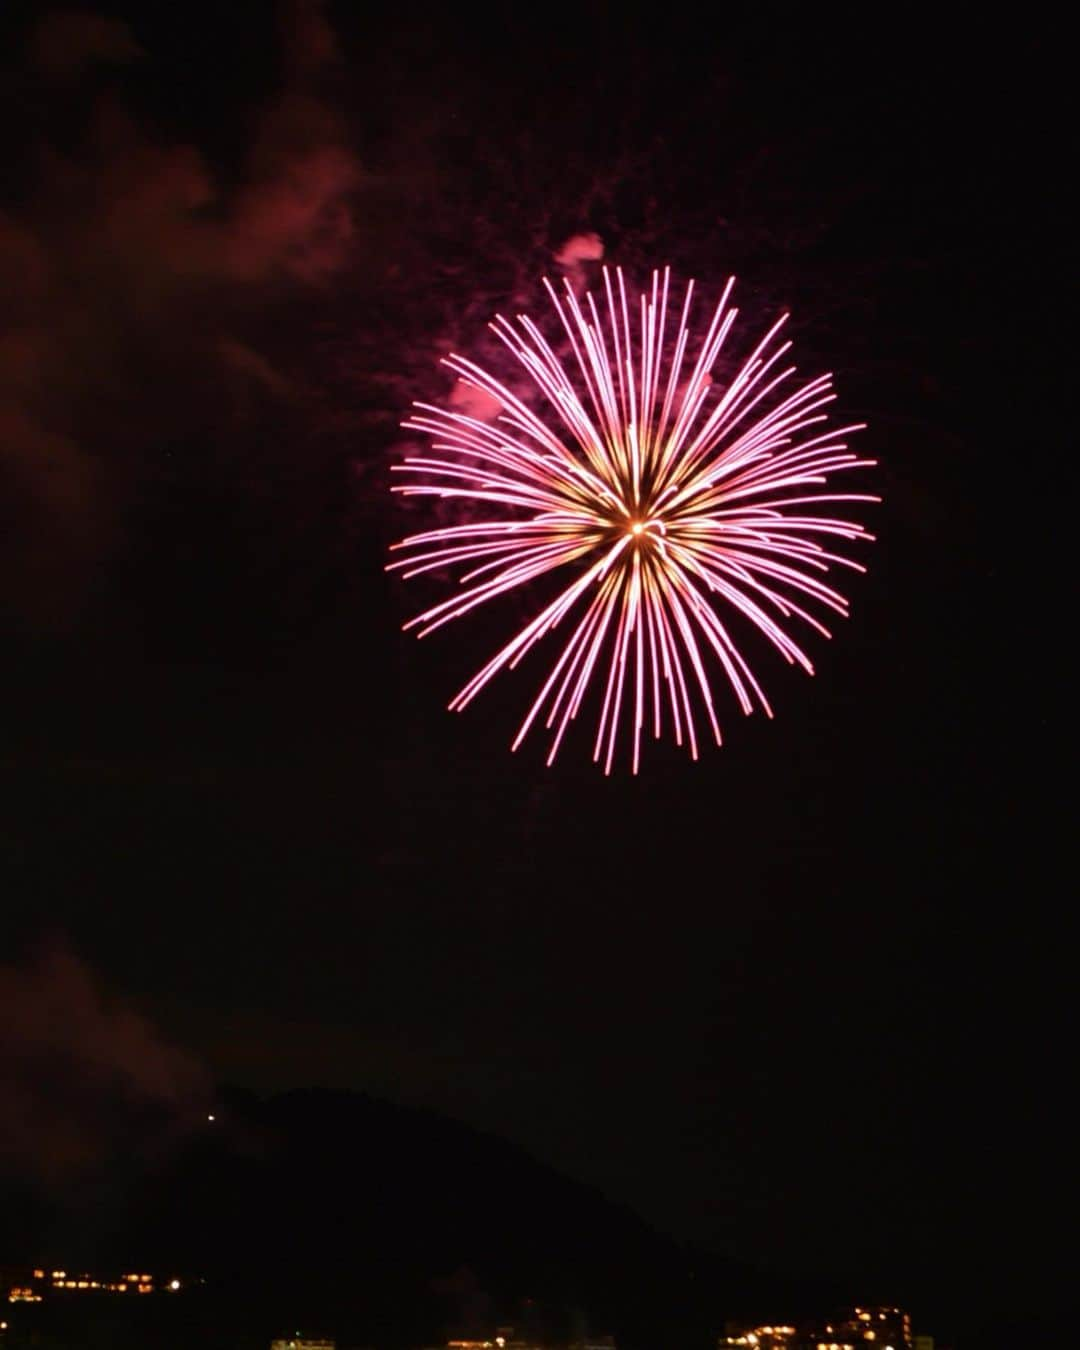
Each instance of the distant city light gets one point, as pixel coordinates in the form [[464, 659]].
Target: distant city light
[[38, 1284], [211, 1117], [852, 1333]]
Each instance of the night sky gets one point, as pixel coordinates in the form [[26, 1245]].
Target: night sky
[[799, 1002]]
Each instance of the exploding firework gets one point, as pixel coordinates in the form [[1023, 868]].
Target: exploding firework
[[667, 502]]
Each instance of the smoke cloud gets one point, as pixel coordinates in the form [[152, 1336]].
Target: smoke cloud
[[134, 269], [77, 1068], [575, 255]]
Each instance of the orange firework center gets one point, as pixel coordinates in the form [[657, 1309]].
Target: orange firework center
[[644, 532]]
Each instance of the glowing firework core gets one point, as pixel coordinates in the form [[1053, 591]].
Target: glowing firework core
[[662, 513]]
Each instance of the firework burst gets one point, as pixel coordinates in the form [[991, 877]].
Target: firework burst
[[667, 502]]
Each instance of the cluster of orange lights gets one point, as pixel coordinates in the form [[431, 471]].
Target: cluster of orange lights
[[62, 1280], [861, 1329], [756, 1337], [142, 1284]]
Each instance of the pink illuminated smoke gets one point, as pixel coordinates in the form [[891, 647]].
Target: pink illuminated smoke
[[667, 499]]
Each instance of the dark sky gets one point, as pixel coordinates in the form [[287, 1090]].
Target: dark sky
[[799, 1001]]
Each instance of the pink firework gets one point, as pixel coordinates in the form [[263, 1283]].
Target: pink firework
[[666, 501]]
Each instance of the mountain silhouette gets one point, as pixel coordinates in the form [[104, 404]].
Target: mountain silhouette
[[391, 1226]]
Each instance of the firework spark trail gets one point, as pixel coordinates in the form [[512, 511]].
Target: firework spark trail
[[663, 515]]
